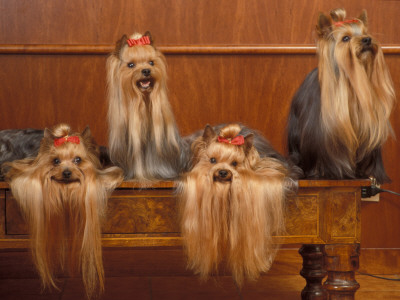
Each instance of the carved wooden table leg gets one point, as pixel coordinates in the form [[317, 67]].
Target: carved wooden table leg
[[341, 261], [313, 272]]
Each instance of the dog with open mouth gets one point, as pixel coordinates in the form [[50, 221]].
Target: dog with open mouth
[[62, 193], [339, 117], [143, 136], [232, 202]]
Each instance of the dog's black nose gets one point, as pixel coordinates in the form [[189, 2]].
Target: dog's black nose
[[223, 173], [146, 72], [366, 41], [66, 174]]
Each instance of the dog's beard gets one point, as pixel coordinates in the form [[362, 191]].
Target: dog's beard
[[71, 231], [64, 221], [204, 221], [231, 221]]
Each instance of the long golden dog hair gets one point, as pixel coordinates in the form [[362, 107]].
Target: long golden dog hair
[[63, 194], [356, 77], [347, 114], [231, 203], [143, 136]]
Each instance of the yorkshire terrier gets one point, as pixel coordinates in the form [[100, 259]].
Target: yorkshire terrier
[[143, 136], [339, 117], [231, 203], [63, 194], [16, 144]]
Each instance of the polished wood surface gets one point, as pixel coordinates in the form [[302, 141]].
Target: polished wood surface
[[167, 261], [322, 211], [182, 21], [341, 263], [275, 287], [313, 272], [176, 49]]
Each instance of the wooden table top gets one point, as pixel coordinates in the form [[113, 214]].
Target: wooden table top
[[301, 183]]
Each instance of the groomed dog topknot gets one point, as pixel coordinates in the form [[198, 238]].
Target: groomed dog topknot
[[61, 130]]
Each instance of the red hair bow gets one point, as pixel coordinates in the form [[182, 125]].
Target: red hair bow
[[238, 140], [144, 40], [344, 22], [71, 139]]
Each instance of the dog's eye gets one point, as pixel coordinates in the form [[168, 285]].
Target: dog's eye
[[77, 160], [151, 63], [234, 163], [213, 160], [56, 161], [131, 65], [346, 38]]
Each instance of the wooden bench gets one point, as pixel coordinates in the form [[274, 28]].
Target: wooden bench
[[324, 217]]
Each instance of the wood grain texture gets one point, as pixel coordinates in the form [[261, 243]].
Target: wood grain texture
[[282, 287], [154, 212], [15, 223], [181, 21], [148, 217], [163, 262], [345, 215], [176, 49], [141, 187], [52, 90], [304, 210]]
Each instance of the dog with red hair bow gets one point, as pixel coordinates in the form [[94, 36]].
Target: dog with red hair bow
[[143, 136], [63, 194], [232, 202]]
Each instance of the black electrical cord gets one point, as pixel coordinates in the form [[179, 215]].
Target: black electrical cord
[[387, 191], [370, 191], [379, 277]]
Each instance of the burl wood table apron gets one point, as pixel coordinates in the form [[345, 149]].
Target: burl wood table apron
[[324, 216]]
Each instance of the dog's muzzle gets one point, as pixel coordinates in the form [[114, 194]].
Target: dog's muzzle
[[366, 41], [222, 175], [367, 45], [66, 177], [147, 81]]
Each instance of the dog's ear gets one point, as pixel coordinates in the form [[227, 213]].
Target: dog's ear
[[324, 24], [86, 133], [147, 33], [48, 134], [248, 143], [363, 17], [90, 143], [208, 133], [119, 45]]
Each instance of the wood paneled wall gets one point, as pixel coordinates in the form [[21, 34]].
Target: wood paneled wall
[[45, 87]]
